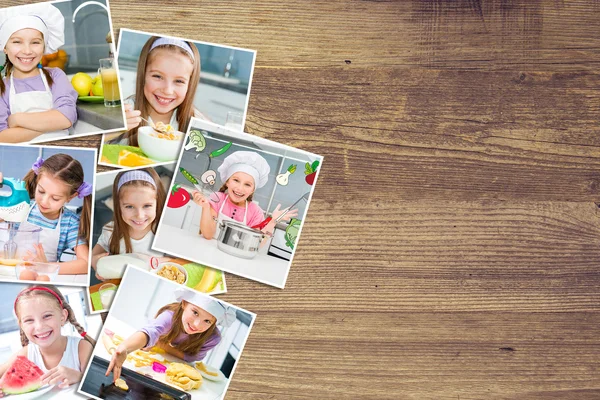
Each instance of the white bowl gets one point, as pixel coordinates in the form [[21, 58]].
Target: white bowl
[[156, 148], [179, 267]]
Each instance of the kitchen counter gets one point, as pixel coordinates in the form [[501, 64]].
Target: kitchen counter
[[7, 274], [191, 246], [96, 114], [209, 390]]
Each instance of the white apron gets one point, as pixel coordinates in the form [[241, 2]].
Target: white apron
[[49, 237], [223, 217], [34, 101]]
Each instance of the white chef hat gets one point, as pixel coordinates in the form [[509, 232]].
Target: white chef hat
[[43, 17], [249, 162], [224, 314]]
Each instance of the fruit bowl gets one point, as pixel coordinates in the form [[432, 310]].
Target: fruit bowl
[[159, 149], [36, 271]]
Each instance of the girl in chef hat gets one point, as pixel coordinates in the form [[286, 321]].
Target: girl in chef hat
[[168, 73], [139, 197], [242, 173], [186, 329], [33, 100]]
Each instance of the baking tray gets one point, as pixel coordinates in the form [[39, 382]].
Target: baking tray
[[140, 386]]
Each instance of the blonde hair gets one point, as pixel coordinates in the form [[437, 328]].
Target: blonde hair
[[120, 227], [52, 294], [185, 111], [193, 344]]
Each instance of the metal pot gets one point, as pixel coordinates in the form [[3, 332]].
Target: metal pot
[[238, 239]]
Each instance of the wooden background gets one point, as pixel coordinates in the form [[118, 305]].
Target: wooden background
[[452, 247]]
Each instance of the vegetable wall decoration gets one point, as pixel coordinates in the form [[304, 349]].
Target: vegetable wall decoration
[[284, 179], [310, 170]]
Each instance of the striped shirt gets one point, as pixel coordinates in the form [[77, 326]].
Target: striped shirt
[[69, 227]]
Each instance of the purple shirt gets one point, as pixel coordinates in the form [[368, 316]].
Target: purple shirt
[[63, 94], [162, 324]]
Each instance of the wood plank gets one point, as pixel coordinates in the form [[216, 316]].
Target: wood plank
[[452, 246]]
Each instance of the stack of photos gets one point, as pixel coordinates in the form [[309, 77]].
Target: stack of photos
[[109, 282]]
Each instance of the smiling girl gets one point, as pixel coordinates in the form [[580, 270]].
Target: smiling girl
[[243, 172], [41, 312], [33, 100], [186, 329], [168, 74], [139, 197]]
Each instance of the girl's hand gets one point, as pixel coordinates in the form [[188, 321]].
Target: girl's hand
[[277, 212], [133, 117], [116, 362], [39, 255], [200, 199], [95, 259], [62, 376]]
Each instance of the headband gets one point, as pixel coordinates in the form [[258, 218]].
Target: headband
[[85, 189], [136, 175], [175, 42], [43, 289]]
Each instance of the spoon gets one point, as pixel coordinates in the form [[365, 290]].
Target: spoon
[[161, 130]]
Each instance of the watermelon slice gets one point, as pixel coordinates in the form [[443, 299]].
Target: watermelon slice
[[22, 376]]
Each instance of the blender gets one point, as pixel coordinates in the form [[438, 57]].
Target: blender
[[14, 208]]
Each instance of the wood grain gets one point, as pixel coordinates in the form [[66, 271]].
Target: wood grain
[[452, 246]]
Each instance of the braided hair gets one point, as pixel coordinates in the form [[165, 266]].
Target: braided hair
[[29, 293]]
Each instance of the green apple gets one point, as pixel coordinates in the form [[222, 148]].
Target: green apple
[[97, 89]]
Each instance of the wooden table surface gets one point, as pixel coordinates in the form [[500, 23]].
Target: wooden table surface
[[452, 246]]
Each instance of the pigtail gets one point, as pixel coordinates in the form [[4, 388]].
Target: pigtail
[[24, 340], [48, 77], [85, 219], [30, 180], [7, 70], [73, 321]]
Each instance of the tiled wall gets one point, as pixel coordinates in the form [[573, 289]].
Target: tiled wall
[[284, 195]]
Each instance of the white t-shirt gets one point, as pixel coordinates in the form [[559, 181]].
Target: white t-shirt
[[70, 358], [143, 245]]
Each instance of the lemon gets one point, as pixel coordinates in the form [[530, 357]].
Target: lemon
[[97, 89], [82, 83]]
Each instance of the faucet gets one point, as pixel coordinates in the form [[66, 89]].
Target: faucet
[[111, 46], [87, 3]]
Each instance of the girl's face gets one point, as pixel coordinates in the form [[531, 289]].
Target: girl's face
[[41, 320], [51, 194], [239, 186], [138, 208], [196, 319], [167, 78], [25, 49]]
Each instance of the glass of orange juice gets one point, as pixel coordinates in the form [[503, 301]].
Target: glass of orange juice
[[110, 82]]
